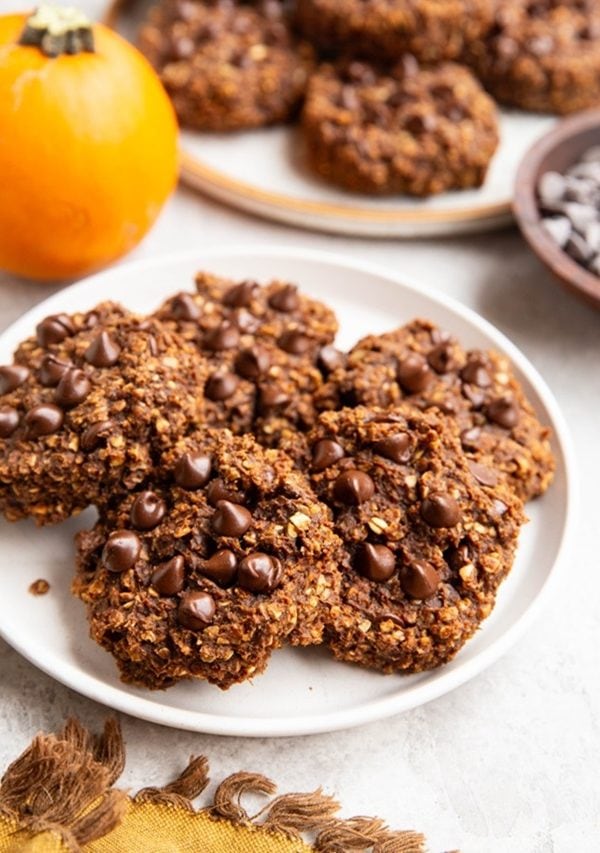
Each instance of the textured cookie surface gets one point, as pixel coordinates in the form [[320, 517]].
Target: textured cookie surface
[[89, 401], [426, 544], [423, 364], [227, 66], [267, 348], [410, 130], [432, 30], [201, 574], [542, 55]]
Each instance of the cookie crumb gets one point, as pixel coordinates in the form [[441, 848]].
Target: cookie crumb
[[39, 587]]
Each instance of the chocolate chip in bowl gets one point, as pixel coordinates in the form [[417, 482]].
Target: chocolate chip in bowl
[[556, 207]]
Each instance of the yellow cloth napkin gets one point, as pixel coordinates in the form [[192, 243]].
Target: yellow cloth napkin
[[58, 796]]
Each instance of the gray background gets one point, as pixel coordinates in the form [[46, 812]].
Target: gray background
[[507, 762]]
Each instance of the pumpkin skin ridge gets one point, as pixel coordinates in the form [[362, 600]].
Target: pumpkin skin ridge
[[89, 145]]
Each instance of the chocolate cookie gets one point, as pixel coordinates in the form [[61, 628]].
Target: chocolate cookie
[[86, 404], [409, 130], [423, 364], [227, 65], [542, 55], [206, 571], [427, 544], [432, 30], [266, 347]]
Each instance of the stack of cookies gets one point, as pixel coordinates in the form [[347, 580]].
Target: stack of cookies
[[257, 487], [391, 93]]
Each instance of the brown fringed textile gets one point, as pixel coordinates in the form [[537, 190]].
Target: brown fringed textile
[[58, 779], [60, 791]]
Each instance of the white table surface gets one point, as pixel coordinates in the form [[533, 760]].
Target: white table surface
[[505, 764]]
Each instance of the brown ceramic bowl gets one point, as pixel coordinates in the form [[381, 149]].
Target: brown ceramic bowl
[[556, 151]]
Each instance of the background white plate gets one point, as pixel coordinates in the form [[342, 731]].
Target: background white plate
[[263, 172], [303, 691]]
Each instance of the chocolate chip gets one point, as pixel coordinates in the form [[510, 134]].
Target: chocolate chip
[[325, 452], [294, 342], [484, 475], [95, 434], [103, 351], [396, 447], [196, 610], [147, 511], [474, 395], [419, 579], [231, 519], [457, 556], [270, 397], [54, 329], [353, 487], [259, 573], [551, 188], [441, 358], [218, 491], [285, 299], [9, 421], [52, 370], [470, 438], [183, 307], [375, 562], [475, 373], [413, 373], [169, 577], [221, 386], [440, 510], [221, 567], [252, 362], [11, 376], [245, 321], [225, 336], [43, 420], [121, 551], [503, 412], [241, 295], [192, 470], [72, 389], [330, 359]]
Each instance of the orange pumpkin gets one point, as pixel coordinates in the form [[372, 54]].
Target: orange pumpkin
[[88, 145]]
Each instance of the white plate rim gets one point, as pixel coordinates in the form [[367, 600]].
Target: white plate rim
[[420, 694]]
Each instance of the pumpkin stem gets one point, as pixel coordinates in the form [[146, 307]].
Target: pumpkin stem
[[57, 30]]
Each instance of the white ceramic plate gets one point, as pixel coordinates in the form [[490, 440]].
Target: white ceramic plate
[[302, 691], [263, 172]]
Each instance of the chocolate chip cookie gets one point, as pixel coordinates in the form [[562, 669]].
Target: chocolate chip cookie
[[203, 573], [542, 55], [86, 405], [427, 542], [408, 129], [432, 30], [267, 350], [423, 364], [227, 65]]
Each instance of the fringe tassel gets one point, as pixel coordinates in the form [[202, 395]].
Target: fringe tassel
[[57, 780], [60, 776], [228, 795], [366, 833], [293, 814], [182, 790]]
